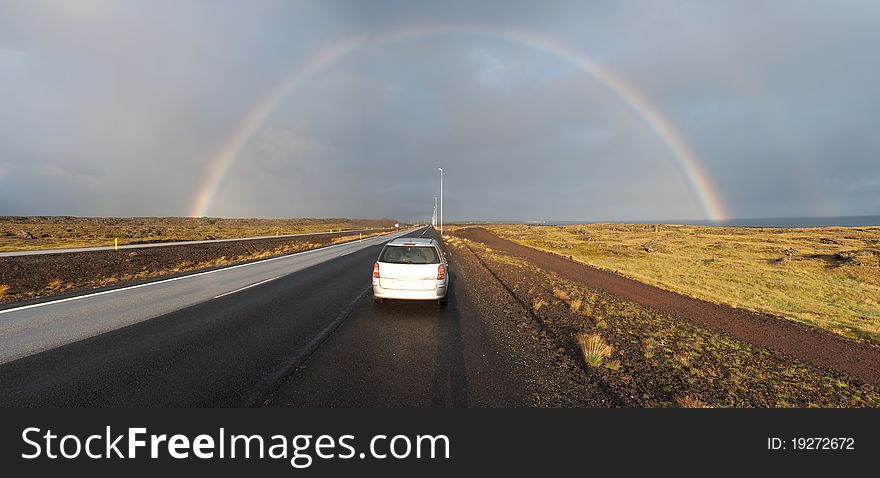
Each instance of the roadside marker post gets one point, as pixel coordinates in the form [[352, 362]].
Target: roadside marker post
[[116, 243]]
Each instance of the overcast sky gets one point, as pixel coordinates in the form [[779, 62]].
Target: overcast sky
[[120, 108]]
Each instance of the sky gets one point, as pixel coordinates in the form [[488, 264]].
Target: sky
[[347, 108]]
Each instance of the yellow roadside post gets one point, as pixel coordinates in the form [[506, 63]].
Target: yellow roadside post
[[116, 243]]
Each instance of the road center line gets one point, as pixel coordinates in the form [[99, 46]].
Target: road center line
[[245, 287]]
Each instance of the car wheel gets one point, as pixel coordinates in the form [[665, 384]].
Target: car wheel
[[443, 302], [378, 300]]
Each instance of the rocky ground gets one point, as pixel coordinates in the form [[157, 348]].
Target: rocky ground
[[647, 357]]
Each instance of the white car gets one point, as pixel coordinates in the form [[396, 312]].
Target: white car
[[411, 268]]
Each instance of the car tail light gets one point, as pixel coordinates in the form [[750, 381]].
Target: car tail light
[[441, 272], [376, 270]]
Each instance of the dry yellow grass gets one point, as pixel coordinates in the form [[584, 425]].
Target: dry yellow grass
[[341, 239], [825, 277], [594, 349], [537, 303], [54, 284], [688, 401], [3, 290]]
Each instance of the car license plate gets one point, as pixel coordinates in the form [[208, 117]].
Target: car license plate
[[410, 284]]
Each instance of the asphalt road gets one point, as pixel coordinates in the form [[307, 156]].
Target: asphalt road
[[308, 336], [409, 354], [52, 323]]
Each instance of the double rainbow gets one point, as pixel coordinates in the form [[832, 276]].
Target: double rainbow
[[686, 160]]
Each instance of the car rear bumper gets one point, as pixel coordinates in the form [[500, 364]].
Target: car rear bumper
[[408, 294]]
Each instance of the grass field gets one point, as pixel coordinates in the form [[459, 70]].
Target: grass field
[[824, 277], [50, 232]]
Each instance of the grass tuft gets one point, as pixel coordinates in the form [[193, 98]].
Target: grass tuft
[[688, 401], [3, 290], [537, 303], [649, 345], [594, 348], [613, 365], [561, 295]]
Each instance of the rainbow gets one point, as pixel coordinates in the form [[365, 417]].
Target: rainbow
[[686, 160]]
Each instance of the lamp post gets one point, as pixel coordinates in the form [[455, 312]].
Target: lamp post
[[434, 216], [441, 200]]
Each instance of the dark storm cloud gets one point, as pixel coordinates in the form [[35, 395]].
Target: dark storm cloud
[[120, 107]]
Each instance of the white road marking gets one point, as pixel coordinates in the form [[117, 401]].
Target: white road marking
[[95, 294], [245, 287]]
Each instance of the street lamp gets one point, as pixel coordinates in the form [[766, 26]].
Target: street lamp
[[441, 200]]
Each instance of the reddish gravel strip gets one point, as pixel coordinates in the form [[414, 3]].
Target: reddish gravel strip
[[860, 360]]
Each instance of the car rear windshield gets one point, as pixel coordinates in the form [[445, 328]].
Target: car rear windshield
[[410, 255]]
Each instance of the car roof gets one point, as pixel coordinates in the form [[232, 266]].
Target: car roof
[[419, 241]]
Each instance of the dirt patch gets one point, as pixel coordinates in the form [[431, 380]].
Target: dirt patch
[[860, 360], [34, 276]]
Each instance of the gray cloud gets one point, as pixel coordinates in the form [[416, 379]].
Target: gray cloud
[[118, 108]]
